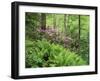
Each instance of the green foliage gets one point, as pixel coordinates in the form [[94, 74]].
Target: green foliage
[[31, 23], [61, 45], [49, 20], [42, 53], [84, 38]]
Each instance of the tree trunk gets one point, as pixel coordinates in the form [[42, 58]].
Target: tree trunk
[[65, 23], [79, 21], [54, 20], [79, 27], [43, 21]]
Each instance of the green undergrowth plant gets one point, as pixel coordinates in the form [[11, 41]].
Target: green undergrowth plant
[[43, 53]]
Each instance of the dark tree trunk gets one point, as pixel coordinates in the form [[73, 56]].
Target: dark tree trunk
[[43, 21], [54, 20], [79, 28], [65, 23], [79, 21]]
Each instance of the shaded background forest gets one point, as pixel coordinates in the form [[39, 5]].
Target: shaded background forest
[[56, 40]]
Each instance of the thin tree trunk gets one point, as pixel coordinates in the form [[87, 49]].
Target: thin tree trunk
[[69, 28], [79, 27], [79, 23], [54, 20], [43, 21], [65, 23]]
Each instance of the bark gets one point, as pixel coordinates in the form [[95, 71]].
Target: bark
[[79, 23], [54, 20], [43, 21], [65, 23]]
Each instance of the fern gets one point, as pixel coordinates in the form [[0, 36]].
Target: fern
[[42, 53]]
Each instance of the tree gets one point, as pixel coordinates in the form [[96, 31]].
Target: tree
[[79, 27], [79, 21], [43, 21], [65, 23], [54, 20]]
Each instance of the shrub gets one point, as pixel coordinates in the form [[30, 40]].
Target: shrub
[[42, 53]]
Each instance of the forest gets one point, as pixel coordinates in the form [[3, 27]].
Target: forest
[[55, 40]]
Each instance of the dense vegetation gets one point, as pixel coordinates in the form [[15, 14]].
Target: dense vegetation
[[54, 40]]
